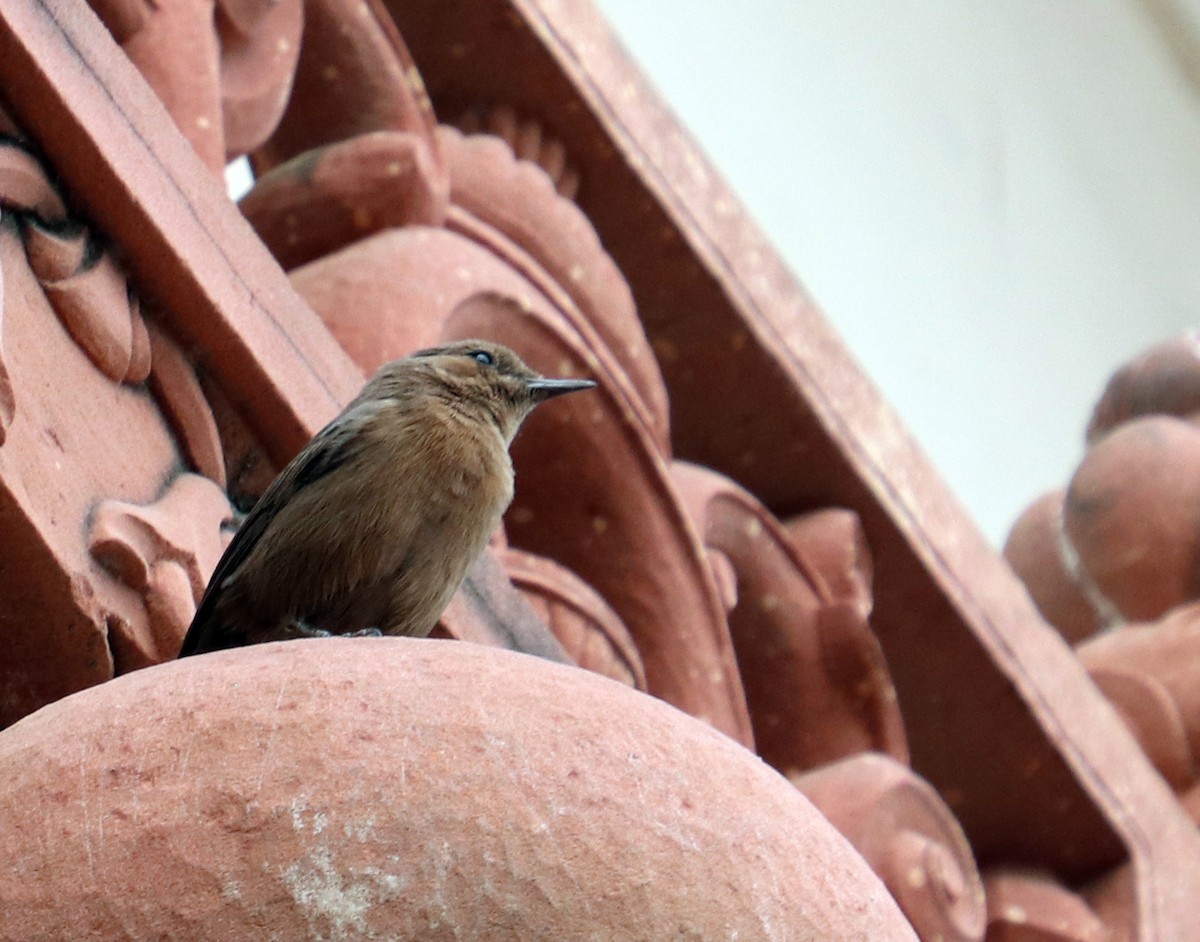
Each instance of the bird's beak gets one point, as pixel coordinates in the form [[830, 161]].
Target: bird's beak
[[547, 388]]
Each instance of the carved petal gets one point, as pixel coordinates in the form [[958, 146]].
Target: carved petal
[[331, 196], [260, 42], [91, 298], [177, 390], [832, 543], [176, 50], [94, 306], [909, 837], [1151, 672], [1031, 906], [511, 207], [54, 253], [528, 140], [25, 186], [816, 681], [583, 622], [1162, 380], [1153, 717], [354, 76], [140, 355], [165, 551]]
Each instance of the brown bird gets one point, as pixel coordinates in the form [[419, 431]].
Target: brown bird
[[372, 526]]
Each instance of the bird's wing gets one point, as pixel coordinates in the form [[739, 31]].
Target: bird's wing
[[328, 450]]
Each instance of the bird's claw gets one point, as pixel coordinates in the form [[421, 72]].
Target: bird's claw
[[366, 633], [305, 630]]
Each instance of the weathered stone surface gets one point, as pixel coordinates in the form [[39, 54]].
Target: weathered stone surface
[[1113, 898], [909, 837], [1164, 380], [763, 391], [583, 622], [832, 542], [1030, 906], [1131, 512], [333, 195], [406, 789], [816, 682], [651, 253], [1151, 673], [1036, 548]]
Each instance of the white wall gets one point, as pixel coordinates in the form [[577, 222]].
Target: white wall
[[995, 203]]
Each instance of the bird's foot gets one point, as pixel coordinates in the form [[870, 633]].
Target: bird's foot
[[303, 629], [365, 633]]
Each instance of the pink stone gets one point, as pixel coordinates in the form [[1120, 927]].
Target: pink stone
[[331, 196], [1113, 898], [586, 626], [260, 42], [177, 50], [910, 837], [1151, 673], [1031, 906], [1131, 512], [402, 789], [833, 544], [353, 76], [1163, 380], [1035, 550], [816, 682]]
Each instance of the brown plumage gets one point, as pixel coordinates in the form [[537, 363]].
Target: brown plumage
[[372, 526]]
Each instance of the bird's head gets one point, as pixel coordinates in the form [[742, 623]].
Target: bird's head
[[483, 377]]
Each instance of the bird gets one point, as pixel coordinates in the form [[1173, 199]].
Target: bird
[[372, 527]]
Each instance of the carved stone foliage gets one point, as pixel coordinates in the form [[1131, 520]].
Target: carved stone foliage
[[110, 542], [164, 551], [401, 233], [910, 838], [223, 68], [1117, 550], [775, 586]]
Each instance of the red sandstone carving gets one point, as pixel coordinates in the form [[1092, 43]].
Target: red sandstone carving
[[333, 195], [405, 233], [1123, 550], [1129, 515], [223, 68], [832, 543], [529, 141], [165, 551], [1038, 550], [185, 406], [1165, 380], [1151, 673], [508, 233], [1026, 906], [160, 547], [1113, 898], [585, 625], [909, 837], [80, 278], [816, 683]]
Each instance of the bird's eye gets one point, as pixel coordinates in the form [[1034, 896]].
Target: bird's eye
[[483, 357]]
